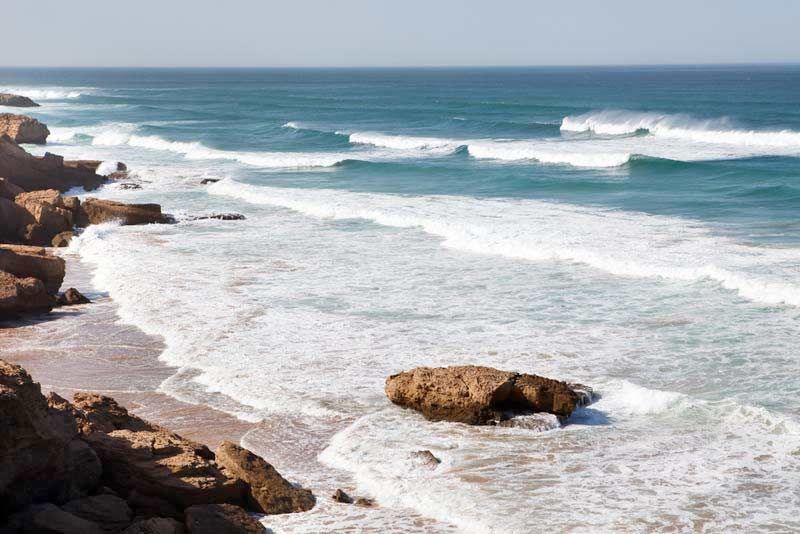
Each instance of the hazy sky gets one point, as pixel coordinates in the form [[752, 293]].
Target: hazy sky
[[393, 33]]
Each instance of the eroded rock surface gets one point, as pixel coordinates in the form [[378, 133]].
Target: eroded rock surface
[[97, 211], [479, 395], [16, 101], [23, 129], [267, 491]]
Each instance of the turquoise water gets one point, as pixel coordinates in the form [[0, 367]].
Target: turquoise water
[[633, 229]]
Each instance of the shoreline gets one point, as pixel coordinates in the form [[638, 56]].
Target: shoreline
[[96, 351]]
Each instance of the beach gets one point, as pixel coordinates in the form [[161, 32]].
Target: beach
[[631, 230]]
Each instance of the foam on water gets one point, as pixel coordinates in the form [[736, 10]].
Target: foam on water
[[403, 142], [48, 93], [718, 131], [620, 243]]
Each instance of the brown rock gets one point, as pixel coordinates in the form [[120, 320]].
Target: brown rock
[[71, 297], [221, 519], [9, 190], [93, 164], [156, 525], [33, 453], [151, 460], [342, 497], [111, 513], [50, 519], [62, 240], [425, 459], [16, 101], [47, 172], [478, 395], [13, 221], [268, 491], [23, 261], [97, 211], [22, 295], [72, 204], [49, 216], [365, 501], [147, 506], [22, 129]]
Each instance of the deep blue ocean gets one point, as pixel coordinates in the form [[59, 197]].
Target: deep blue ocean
[[634, 229]]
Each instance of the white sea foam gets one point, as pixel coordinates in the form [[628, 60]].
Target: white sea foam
[[717, 131], [405, 142], [621, 243], [553, 152], [48, 93]]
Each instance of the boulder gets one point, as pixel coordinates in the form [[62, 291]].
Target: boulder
[[13, 221], [9, 190], [50, 519], [16, 101], [23, 129], [156, 525], [33, 451], [110, 512], [137, 455], [220, 216], [147, 506], [22, 295], [49, 216], [267, 491], [425, 459], [24, 261], [71, 297], [206, 181], [478, 395], [97, 211], [62, 240], [342, 497], [221, 519], [47, 172]]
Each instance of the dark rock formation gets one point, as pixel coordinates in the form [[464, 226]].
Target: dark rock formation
[[205, 181], [156, 525], [110, 512], [221, 519], [22, 129], [71, 297], [16, 101], [9, 190], [97, 211], [267, 491], [342, 497], [47, 172], [220, 216], [479, 395]]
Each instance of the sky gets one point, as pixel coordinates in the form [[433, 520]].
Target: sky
[[308, 33]]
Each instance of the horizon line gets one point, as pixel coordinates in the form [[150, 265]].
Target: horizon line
[[442, 66]]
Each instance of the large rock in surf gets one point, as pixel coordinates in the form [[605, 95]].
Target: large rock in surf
[[97, 211], [267, 491], [47, 172], [35, 262], [479, 395], [22, 129], [146, 458], [16, 101]]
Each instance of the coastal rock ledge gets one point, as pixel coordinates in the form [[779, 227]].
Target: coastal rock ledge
[[481, 395], [91, 467]]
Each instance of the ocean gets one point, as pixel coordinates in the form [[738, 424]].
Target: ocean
[[633, 229]]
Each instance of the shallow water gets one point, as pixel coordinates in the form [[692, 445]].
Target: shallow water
[[635, 230]]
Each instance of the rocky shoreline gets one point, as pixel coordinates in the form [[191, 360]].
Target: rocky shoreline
[[88, 465]]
